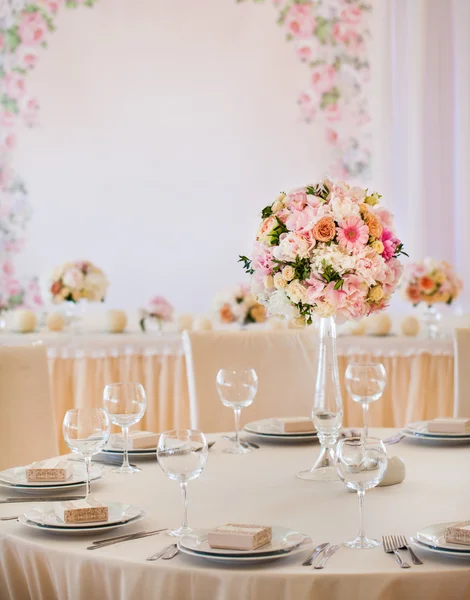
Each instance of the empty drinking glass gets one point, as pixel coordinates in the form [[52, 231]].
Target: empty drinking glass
[[237, 389], [361, 464], [182, 455], [86, 431], [125, 404], [365, 383]]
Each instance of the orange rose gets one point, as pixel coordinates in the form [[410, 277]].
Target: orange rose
[[374, 225], [56, 287], [226, 314], [413, 294], [363, 209], [258, 313], [426, 284], [324, 230]]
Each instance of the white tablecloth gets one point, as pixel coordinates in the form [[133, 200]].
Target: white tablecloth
[[256, 488]]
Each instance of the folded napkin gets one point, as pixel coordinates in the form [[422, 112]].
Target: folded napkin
[[449, 425]]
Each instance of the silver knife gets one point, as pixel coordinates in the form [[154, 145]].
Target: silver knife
[[318, 550], [41, 499], [129, 538], [328, 553]]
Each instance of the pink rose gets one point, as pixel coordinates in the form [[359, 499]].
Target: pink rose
[[300, 21], [297, 198], [261, 260], [8, 267], [7, 118], [27, 57], [52, 6], [315, 289], [332, 112], [29, 110], [331, 136], [393, 274], [10, 141], [13, 287], [2, 42], [301, 220], [323, 78], [304, 52], [385, 217], [308, 106], [161, 308], [32, 28], [351, 15], [14, 85]]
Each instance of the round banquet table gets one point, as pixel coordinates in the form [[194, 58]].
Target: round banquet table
[[259, 488]]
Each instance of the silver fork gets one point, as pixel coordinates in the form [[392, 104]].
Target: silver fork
[[318, 550], [165, 550], [328, 553], [403, 543], [391, 547]]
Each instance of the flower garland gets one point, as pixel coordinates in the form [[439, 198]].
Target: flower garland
[[22, 36], [331, 38]]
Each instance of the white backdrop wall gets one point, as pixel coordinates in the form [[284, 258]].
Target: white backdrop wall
[[165, 128]]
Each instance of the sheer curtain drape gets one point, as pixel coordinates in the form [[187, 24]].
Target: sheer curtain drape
[[421, 64]]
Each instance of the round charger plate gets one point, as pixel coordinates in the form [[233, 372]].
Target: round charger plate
[[441, 551], [119, 514], [15, 479], [421, 428], [270, 428], [283, 539], [435, 439], [434, 537]]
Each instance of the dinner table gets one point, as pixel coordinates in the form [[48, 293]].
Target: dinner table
[[257, 488]]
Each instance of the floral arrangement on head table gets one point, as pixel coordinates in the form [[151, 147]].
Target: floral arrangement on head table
[[431, 281], [77, 280], [326, 249], [238, 305]]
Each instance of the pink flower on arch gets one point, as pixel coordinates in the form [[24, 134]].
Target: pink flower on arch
[[10, 141], [300, 21], [351, 15], [331, 136], [332, 112], [2, 42], [32, 28], [14, 85], [323, 78], [308, 106], [7, 118], [353, 233], [8, 268]]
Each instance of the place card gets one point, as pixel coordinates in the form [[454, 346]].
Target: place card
[[449, 425], [53, 469], [240, 537], [297, 425], [458, 533], [81, 511], [138, 440]]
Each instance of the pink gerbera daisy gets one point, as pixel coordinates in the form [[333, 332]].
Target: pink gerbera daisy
[[353, 233]]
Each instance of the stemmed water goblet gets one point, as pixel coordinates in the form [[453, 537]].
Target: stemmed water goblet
[[237, 389], [125, 404], [365, 382], [86, 431], [182, 455], [361, 464]]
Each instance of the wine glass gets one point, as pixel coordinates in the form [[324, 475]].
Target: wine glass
[[125, 404], [86, 431], [182, 455], [237, 389], [365, 383], [361, 464]]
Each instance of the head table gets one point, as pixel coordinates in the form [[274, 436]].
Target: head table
[[259, 488], [420, 374]]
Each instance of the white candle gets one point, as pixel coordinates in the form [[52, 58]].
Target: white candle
[[116, 321], [55, 321], [24, 320]]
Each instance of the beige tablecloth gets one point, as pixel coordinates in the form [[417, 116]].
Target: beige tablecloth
[[420, 377], [256, 488]]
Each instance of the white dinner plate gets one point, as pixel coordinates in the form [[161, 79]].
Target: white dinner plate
[[283, 540], [43, 517], [434, 537], [435, 439], [421, 428], [270, 428], [441, 551], [147, 453], [15, 478]]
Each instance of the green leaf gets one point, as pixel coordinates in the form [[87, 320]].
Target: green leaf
[[12, 39], [277, 232], [266, 212], [330, 97], [339, 284], [9, 104], [246, 264]]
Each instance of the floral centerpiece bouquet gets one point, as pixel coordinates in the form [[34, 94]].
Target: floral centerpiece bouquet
[[432, 282], [78, 280], [238, 305], [158, 309], [326, 250]]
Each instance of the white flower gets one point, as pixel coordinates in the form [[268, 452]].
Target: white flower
[[279, 304], [279, 282], [288, 273], [325, 309], [343, 208], [268, 282], [291, 246], [335, 256], [73, 278], [296, 291]]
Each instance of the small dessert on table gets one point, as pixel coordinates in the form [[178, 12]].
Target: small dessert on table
[[240, 537], [116, 321], [137, 440], [53, 469], [81, 511], [297, 425], [458, 533], [55, 321], [449, 425], [24, 320]]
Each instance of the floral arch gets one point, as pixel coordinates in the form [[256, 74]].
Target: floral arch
[[329, 36]]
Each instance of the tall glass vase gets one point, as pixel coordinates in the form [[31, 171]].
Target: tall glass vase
[[327, 410], [432, 318]]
